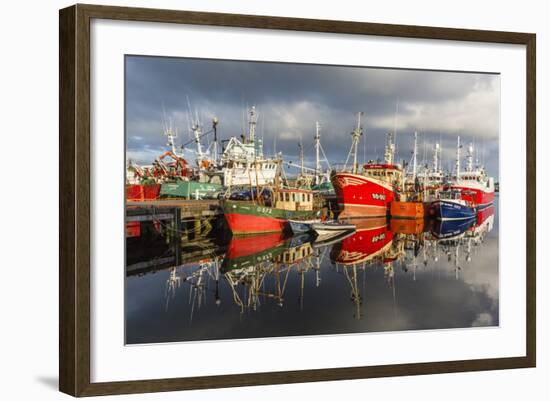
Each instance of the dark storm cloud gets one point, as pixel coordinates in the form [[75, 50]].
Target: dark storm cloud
[[291, 97]]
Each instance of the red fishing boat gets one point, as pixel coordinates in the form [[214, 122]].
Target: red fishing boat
[[371, 241], [474, 184], [243, 247], [367, 191], [268, 215]]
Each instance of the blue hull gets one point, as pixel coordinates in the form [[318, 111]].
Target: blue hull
[[448, 229], [448, 210]]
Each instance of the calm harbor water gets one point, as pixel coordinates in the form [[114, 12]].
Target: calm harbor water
[[388, 276]]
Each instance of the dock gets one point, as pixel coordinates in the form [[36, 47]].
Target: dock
[[190, 219], [187, 208]]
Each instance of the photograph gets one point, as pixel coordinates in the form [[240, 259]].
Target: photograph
[[270, 199]]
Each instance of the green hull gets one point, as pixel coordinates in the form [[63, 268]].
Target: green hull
[[190, 190], [244, 262], [252, 209]]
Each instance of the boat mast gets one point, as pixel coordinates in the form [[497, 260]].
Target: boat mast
[[215, 122], [197, 133], [317, 149], [414, 155], [458, 157], [435, 163], [470, 158], [356, 134], [301, 158], [390, 149], [252, 124], [171, 135]]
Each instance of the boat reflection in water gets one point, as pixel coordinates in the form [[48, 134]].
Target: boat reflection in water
[[271, 285]]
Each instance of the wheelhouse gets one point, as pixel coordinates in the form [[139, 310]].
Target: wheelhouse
[[294, 199]]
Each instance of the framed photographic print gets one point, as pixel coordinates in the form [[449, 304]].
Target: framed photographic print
[[251, 200]]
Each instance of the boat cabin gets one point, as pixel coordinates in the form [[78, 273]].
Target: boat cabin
[[294, 199], [391, 173], [296, 254], [450, 194]]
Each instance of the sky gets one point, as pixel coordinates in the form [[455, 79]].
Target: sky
[[290, 98]]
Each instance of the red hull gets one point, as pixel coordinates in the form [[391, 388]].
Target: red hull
[[362, 246], [475, 195], [360, 196], [251, 224], [484, 214], [242, 247]]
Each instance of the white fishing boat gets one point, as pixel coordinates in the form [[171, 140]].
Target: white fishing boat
[[242, 162], [329, 229], [324, 241]]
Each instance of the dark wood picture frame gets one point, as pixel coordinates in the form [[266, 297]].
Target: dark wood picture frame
[[74, 199]]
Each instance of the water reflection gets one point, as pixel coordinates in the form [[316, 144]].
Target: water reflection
[[388, 275]]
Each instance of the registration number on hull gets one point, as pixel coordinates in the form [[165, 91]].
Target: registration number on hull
[[379, 196]]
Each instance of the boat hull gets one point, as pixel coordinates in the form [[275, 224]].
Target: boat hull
[[448, 210], [245, 218], [190, 190], [451, 229], [361, 196], [363, 246], [475, 195], [243, 252]]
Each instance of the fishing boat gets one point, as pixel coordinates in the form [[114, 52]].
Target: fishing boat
[[330, 229], [370, 242], [451, 229], [451, 206], [142, 183], [244, 252], [474, 184], [322, 242], [367, 192], [272, 215], [169, 176], [242, 161]]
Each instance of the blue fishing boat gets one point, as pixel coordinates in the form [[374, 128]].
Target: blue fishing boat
[[451, 206], [451, 229]]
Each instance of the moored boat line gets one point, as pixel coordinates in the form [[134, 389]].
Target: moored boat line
[[371, 190]]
